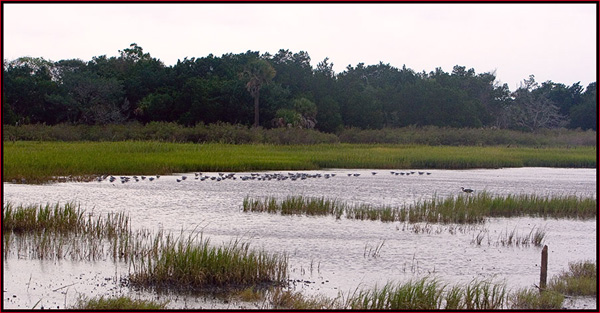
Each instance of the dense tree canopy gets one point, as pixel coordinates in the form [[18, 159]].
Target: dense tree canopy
[[134, 86]]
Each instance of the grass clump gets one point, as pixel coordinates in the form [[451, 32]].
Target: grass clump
[[290, 300], [579, 280], [429, 294], [119, 303], [61, 219], [532, 299], [463, 209], [57, 218], [193, 264], [63, 231]]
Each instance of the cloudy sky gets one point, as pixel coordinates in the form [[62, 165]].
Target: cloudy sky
[[552, 41]]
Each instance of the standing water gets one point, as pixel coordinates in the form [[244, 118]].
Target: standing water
[[327, 256]]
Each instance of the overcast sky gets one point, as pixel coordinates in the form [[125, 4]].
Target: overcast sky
[[552, 41]]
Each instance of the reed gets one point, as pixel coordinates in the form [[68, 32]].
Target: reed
[[117, 303], [579, 280], [40, 162], [191, 263], [462, 209]]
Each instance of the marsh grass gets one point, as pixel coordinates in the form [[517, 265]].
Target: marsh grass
[[60, 219], [57, 218], [462, 209], [429, 294], [117, 303], [160, 260], [40, 162], [279, 298], [532, 299], [191, 263], [580, 280], [62, 231]]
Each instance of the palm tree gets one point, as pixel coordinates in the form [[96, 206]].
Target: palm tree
[[258, 73]]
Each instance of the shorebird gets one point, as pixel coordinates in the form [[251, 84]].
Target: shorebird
[[466, 190]]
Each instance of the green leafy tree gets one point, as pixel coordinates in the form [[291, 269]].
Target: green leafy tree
[[94, 99], [585, 114], [28, 83], [257, 73]]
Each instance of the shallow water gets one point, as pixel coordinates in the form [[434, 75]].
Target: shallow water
[[328, 256]]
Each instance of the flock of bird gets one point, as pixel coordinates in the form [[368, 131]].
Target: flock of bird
[[255, 176]]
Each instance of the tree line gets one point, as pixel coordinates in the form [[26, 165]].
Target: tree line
[[280, 90]]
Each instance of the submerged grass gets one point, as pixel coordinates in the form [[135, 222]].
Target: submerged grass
[[463, 209], [38, 162]]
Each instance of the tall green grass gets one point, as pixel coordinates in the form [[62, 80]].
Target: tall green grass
[[66, 218], [531, 299], [462, 209], [43, 161], [191, 263], [63, 232], [429, 294]]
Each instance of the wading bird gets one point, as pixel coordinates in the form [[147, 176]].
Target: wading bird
[[466, 190]]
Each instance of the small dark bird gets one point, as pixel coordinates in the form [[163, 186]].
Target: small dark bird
[[466, 190]]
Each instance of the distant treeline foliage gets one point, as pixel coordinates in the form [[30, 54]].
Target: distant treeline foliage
[[285, 90], [241, 134]]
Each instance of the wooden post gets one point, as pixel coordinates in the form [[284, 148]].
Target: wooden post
[[544, 268]]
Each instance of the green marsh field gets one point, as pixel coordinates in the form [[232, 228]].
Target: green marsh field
[[41, 161]]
